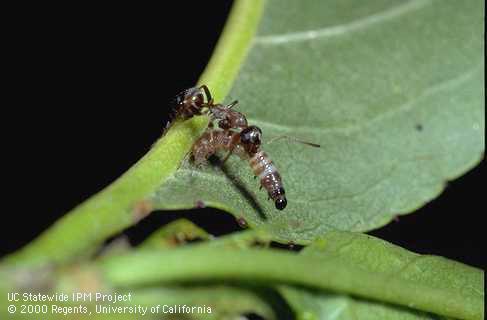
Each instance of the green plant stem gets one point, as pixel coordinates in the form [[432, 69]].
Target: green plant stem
[[285, 267], [232, 47], [123, 203]]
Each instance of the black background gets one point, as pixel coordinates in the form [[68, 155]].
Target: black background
[[88, 91]]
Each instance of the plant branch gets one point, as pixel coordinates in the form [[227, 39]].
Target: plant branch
[[205, 263]]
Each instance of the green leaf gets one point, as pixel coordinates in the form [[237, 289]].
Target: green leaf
[[315, 305], [392, 90], [354, 264], [226, 302], [379, 257], [366, 269]]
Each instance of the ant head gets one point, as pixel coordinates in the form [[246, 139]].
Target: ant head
[[251, 135], [192, 97]]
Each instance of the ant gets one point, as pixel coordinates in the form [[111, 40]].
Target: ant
[[234, 136], [191, 102]]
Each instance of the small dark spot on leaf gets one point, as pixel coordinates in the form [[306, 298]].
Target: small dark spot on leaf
[[242, 222], [291, 245], [200, 204], [419, 127], [396, 219]]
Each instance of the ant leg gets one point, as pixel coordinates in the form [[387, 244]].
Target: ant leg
[[294, 140], [208, 94], [227, 156], [230, 151], [199, 159]]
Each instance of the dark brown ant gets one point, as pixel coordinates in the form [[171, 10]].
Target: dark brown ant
[[191, 102]]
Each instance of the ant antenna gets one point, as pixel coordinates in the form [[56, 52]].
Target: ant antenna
[[294, 140], [231, 105], [208, 94]]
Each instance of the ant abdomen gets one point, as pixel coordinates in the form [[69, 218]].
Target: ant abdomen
[[213, 141], [227, 118], [270, 179]]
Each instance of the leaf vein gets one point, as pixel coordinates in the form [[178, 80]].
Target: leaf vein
[[337, 30], [407, 106]]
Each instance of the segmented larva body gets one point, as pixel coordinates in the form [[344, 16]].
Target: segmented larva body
[[270, 179], [213, 141]]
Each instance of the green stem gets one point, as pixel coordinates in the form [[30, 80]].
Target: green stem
[[205, 263], [123, 203]]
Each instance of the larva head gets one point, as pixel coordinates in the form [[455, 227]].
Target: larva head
[[280, 203], [251, 138], [279, 198]]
